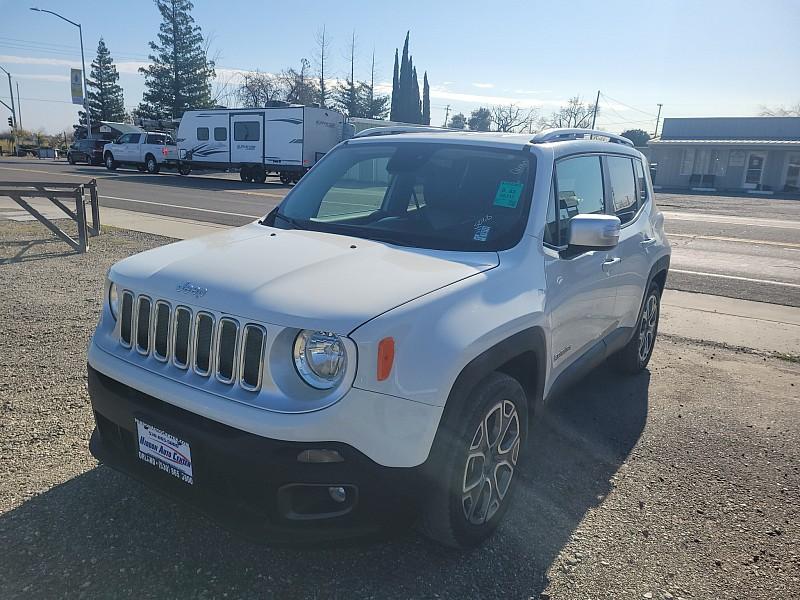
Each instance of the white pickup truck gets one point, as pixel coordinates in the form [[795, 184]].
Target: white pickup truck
[[148, 151]]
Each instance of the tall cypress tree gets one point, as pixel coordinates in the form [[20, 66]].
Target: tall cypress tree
[[394, 114], [406, 104], [105, 95], [180, 75], [426, 100], [414, 104]]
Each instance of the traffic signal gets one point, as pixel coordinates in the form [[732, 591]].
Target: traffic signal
[[10, 122]]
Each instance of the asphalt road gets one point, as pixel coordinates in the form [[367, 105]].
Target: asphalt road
[[741, 247]]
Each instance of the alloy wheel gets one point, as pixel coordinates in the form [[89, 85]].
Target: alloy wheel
[[647, 327], [491, 462]]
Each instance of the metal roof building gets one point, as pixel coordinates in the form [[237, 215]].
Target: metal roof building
[[752, 154]]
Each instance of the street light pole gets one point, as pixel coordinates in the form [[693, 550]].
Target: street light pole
[[14, 122], [83, 66]]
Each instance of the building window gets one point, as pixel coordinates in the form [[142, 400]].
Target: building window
[[202, 133], [687, 161], [793, 174], [220, 134]]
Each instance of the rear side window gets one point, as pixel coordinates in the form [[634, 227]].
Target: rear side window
[[247, 131], [641, 181], [154, 138], [623, 187], [579, 191], [220, 134], [202, 133]]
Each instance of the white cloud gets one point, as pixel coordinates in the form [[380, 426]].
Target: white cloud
[[483, 86], [485, 100], [34, 60], [40, 77]]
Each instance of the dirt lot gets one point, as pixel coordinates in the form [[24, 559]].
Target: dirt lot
[[681, 482]]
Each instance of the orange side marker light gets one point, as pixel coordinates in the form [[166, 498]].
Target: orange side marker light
[[385, 358]]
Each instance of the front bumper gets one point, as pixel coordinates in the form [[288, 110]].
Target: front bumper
[[251, 483]]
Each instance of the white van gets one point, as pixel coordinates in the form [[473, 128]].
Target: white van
[[286, 140]]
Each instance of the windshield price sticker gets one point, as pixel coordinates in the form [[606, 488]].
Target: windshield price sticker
[[508, 193], [164, 451]]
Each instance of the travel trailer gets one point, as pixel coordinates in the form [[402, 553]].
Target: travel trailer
[[286, 140]]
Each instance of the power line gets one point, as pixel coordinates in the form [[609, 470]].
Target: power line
[[606, 96]]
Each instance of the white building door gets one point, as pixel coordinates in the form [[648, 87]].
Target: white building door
[[247, 145], [754, 170]]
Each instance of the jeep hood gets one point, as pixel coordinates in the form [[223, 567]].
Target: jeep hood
[[295, 278]]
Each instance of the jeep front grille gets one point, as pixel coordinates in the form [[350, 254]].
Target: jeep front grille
[[231, 350]]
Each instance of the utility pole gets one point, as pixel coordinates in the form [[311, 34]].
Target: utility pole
[[596, 104], [658, 118], [19, 108], [12, 109], [446, 115]]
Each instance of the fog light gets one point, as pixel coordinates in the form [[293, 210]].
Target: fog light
[[338, 494]]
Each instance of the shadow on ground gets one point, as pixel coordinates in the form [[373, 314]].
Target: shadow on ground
[[28, 250], [103, 535]]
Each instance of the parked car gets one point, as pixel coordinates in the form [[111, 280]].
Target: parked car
[[147, 151], [86, 150], [380, 342]]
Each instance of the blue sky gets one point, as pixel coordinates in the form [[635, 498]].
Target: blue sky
[[698, 58]]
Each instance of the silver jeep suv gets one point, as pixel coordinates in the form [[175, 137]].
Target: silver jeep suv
[[380, 342]]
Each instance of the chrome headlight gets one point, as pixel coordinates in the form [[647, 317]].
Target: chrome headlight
[[320, 358], [113, 300]]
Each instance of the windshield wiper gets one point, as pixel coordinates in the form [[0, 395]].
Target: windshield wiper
[[293, 222]]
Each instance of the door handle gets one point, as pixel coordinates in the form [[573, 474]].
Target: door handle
[[648, 242], [611, 261]]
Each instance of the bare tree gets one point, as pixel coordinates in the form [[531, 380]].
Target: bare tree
[[321, 57], [574, 114], [258, 88], [780, 111], [512, 118], [298, 87]]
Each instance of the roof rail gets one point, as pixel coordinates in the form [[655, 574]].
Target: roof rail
[[559, 135], [391, 130]]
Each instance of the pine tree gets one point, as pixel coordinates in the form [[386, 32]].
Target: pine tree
[[404, 86], [180, 75], [105, 95], [393, 115], [426, 100]]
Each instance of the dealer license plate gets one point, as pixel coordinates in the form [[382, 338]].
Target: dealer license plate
[[164, 451]]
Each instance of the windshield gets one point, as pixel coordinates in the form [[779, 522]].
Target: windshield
[[426, 195]]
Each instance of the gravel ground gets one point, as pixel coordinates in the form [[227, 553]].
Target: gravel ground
[[681, 482]]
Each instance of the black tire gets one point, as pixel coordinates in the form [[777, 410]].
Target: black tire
[[184, 169], [151, 164], [70, 159], [111, 164], [259, 174], [635, 356], [89, 161], [245, 174], [453, 514], [285, 177]]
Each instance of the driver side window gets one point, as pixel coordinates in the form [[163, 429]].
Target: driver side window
[[578, 191]]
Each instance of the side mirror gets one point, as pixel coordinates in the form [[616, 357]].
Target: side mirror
[[593, 232]]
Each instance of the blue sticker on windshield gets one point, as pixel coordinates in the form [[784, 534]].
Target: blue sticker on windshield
[[508, 193]]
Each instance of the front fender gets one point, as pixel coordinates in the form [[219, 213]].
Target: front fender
[[439, 334]]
